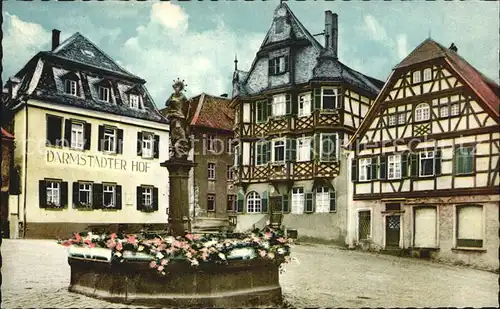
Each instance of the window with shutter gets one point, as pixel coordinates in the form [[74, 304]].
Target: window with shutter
[[298, 200], [365, 169], [83, 196], [109, 196], [308, 203], [427, 163], [285, 203], [322, 200], [333, 201], [53, 193], [260, 153], [147, 144], [77, 135], [261, 111], [278, 151], [303, 149], [328, 147], [54, 130], [97, 195]]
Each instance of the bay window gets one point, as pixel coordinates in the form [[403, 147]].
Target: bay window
[[303, 149], [329, 147], [279, 105], [260, 153], [304, 105], [330, 98], [278, 151]]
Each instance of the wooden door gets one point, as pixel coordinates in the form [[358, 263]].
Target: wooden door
[[392, 230]]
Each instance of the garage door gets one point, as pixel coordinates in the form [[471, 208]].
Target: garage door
[[425, 227]]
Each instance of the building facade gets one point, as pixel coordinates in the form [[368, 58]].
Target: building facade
[[294, 108], [90, 143], [211, 181], [425, 166]]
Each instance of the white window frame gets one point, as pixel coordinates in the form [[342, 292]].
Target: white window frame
[[104, 94], [422, 112], [236, 154], [111, 137], [53, 193], [147, 196], [426, 155], [211, 171], [134, 101], [304, 100], [444, 111], [336, 95], [279, 105], [229, 175], [210, 142], [298, 199], [147, 145], [364, 165], [303, 149], [253, 202], [392, 120], [322, 199], [85, 187], [427, 74], [401, 118], [394, 167], [264, 154], [77, 135], [336, 146], [455, 109], [72, 86], [273, 150], [107, 189], [417, 78]]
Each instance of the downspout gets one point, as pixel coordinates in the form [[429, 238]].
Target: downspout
[[25, 169]]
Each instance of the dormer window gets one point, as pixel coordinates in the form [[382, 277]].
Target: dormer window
[[278, 65], [134, 101], [71, 87], [104, 94]]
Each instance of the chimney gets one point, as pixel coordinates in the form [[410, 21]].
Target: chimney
[[55, 38], [224, 95], [453, 47], [331, 32]]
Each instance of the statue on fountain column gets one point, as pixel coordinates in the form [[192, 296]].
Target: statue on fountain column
[[177, 111]]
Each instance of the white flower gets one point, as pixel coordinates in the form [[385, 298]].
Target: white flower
[[140, 248], [219, 246], [194, 262], [281, 251], [222, 256], [118, 254], [265, 244], [210, 243], [170, 240], [160, 255]]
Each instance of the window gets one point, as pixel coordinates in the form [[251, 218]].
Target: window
[[455, 109], [401, 118], [253, 202], [464, 160], [470, 226], [260, 153], [109, 140], [416, 77], [85, 194], [53, 193], [210, 142], [77, 141], [211, 171], [304, 105], [394, 167], [229, 145], [279, 105], [229, 173], [231, 202], [297, 200], [443, 111], [329, 98], [236, 154], [103, 93], [422, 112], [134, 101], [147, 197], [108, 196], [71, 87], [427, 163], [365, 169], [278, 151], [328, 149], [322, 199], [261, 111], [54, 130], [147, 145], [278, 65], [391, 120], [427, 74], [211, 202], [303, 149], [279, 26]]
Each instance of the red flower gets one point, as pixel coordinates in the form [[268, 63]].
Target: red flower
[[67, 243], [87, 242], [78, 238]]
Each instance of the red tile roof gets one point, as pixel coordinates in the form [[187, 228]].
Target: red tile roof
[[6, 134], [212, 112], [484, 88]]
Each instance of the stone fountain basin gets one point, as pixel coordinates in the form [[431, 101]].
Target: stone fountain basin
[[242, 282]]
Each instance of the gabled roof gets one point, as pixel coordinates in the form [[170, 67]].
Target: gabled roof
[[486, 89], [212, 112], [78, 48]]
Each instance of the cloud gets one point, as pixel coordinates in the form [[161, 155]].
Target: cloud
[[164, 48], [24, 40], [375, 29], [402, 46]]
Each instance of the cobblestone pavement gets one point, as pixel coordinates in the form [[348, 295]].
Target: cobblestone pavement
[[36, 274]]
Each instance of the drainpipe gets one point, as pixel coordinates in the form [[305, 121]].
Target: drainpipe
[[25, 169]]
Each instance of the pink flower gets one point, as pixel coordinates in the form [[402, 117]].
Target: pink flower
[[177, 244], [119, 246], [204, 256], [67, 243], [189, 236], [131, 239], [92, 245], [111, 244], [160, 268], [164, 262], [113, 236], [262, 253], [268, 235], [281, 240], [78, 238], [196, 237], [153, 264]]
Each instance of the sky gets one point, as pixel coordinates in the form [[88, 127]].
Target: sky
[[198, 40]]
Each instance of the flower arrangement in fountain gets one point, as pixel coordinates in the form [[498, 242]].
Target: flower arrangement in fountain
[[195, 249]]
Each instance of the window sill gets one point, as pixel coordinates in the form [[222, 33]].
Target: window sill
[[109, 153], [76, 149], [470, 249], [54, 146], [83, 208], [465, 175], [54, 208], [148, 158], [109, 209]]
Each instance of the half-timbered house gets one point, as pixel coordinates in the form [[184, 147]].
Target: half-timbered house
[[294, 107], [89, 141], [426, 161]]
